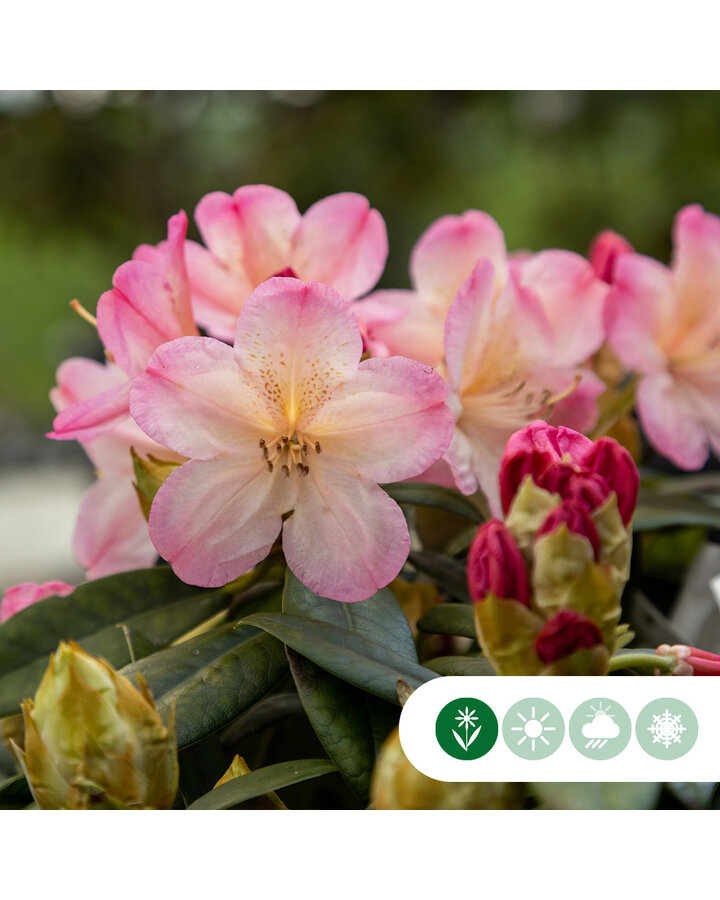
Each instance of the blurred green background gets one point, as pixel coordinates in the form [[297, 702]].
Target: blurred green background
[[86, 176]]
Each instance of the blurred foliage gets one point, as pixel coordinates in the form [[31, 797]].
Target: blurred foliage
[[86, 176]]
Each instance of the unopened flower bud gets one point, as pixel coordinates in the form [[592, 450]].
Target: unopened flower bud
[[612, 462], [589, 490], [92, 741], [690, 660], [576, 518], [604, 253], [23, 595], [496, 565], [564, 634]]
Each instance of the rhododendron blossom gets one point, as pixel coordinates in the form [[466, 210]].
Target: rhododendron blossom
[[664, 323], [257, 233], [289, 430]]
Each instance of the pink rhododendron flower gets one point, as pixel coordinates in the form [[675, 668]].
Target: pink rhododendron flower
[[257, 233], [604, 253], [21, 596], [111, 534], [497, 347], [289, 430], [690, 660], [664, 323], [445, 256], [148, 305]]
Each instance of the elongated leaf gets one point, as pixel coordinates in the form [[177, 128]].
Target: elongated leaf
[[262, 781], [449, 618], [460, 665], [211, 679], [363, 662], [418, 493], [15, 793], [133, 632], [655, 510], [448, 573]]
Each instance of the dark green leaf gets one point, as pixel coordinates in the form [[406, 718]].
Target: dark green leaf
[[449, 618], [348, 722], [15, 793], [460, 665], [153, 605], [448, 573], [417, 493], [263, 781], [363, 662], [222, 687]]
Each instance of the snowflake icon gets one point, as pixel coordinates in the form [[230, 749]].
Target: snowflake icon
[[667, 729]]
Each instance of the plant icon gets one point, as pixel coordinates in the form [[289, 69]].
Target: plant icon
[[468, 719], [466, 728]]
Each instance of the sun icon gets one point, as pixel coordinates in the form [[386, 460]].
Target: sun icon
[[533, 728]]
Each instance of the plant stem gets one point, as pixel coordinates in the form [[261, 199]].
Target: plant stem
[[644, 662]]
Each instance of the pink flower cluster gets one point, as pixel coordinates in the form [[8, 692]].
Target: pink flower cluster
[[328, 390]]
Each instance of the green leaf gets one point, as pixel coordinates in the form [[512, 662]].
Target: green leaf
[[349, 723], [142, 610], [660, 510], [224, 684], [417, 493], [448, 573], [460, 665], [262, 781], [363, 662], [15, 793], [449, 618]]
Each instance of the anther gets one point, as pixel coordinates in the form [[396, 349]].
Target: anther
[[304, 449], [265, 452], [270, 466], [262, 442], [286, 470], [306, 469], [318, 448], [284, 439]]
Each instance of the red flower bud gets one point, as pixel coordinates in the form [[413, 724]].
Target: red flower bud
[[577, 519], [612, 462], [604, 252], [700, 661], [495, 564], [567, 632], [532, 450]]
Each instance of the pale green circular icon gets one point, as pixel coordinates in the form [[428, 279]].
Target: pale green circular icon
[[666, 728], [533, 728], [600, 728]]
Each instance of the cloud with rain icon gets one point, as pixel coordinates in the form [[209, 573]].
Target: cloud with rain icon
[[600, 730]]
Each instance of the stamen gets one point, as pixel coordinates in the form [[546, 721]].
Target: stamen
[[77, 306], [304, 449], [284, 439], [270, 466], [318, 448], [286, 470], [306, 469]]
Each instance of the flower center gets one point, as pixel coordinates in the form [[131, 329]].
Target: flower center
[[288, 454]]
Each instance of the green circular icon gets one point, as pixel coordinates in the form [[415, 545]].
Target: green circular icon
[[666, 728], [600, 728], [466, 728], [533, 728]]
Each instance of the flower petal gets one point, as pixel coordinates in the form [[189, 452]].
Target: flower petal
[[640, 313], [194, 399], [572, 298], [138, 315], [447, 252], [342, 242], [251, 232], [214, 520], [111, 534], [86, 419], [671, 423], [416, 329], [296, 343], [696, 268], [390, 421], [218, 293], [346, 538], [579, 410], [459, 457]]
